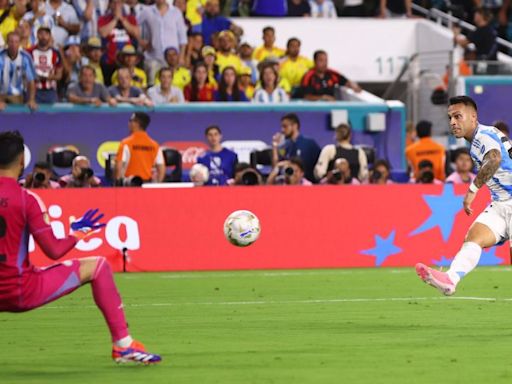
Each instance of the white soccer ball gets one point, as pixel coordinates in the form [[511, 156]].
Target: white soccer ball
[[242, 228], [199, 174]]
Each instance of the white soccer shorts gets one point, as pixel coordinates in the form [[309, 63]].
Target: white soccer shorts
[[498, 217]]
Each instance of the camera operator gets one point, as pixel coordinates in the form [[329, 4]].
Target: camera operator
[[40, 177], [81, 176], [288, 172], [246, 175], [380, 172], [426, 173], [340, 174]]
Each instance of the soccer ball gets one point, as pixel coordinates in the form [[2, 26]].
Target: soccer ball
[[242, 228]]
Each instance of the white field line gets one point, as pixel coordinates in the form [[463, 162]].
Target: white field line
[[309, 301]]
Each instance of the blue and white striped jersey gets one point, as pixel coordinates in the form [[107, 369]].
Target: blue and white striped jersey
[[485, 139], [14, 74]]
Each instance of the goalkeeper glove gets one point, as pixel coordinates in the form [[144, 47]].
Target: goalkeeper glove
[[87, 224]]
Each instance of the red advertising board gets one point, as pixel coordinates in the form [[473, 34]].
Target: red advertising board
[[302, 227]]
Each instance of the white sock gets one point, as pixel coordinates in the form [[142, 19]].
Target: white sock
[[465, 261], [125, 342]]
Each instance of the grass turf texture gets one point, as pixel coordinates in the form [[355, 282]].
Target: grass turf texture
[[274, 327]]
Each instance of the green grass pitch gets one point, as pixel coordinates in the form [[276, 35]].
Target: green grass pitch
[[315, 326]]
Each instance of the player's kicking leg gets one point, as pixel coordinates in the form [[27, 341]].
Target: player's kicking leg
[[479, 236], [97, 271]]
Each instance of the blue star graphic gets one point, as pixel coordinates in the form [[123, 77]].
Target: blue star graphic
[[488, 258], [383, 248], [443, 208]]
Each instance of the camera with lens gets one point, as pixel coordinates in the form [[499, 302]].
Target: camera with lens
[[131, 181], [289, 171], [375, 177], [250, 177], [426, 177], [39, 177], [86, 173]]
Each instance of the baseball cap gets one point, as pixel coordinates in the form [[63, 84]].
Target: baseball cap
[[207, 50], [94, 42], [72, 40]]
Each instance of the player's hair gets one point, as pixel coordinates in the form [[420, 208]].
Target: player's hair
[[142, 119], [292, 117], [466, 100], [269, 29], [298, 162], [212, 127], [424, 128], [318, 53], [291, 40], [11, 146], [502, 126]]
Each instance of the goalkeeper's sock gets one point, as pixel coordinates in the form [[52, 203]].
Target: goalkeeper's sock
[[465, 261], [125, 342], [108, 300]]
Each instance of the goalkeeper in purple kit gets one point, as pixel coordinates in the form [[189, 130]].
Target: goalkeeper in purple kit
[[23, 286]]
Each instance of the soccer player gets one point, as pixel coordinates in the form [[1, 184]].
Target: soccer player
[[23, 286], [491, 152]]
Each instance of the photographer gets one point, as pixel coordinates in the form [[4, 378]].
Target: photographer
[[246, 175], [82, 175], [380, 172], [288, 172], [40, 177], [426, 174], [340, 174]]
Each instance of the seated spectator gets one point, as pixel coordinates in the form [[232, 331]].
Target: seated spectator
[[291, 143], [117, 29], [323, 9], [463, 168], [425, 174], [209, 57], [229, 89], [27, 41], [288, 172], [343, 149], [269, 8], [66, 21], [37, 17], [502, 127], [194, 46], [87, 91], [269, 92], [294, 66], [129, 58], [71, 60], [200, 88], [165, 92], [274, 62], [225, 55], [299, 8], [40, 177], [213, 22], [125, 92], [81, 176], [483, 37], [165, 27], [245, 53], [268, 48], [138, 154], [48, 66], [93, 54], [10, 13], [15, 83], [320, 82], [181, 75], [353, 8], [426, 149], [395, 8], [380, 173], [220, 161], [340, 174], [245, 82]]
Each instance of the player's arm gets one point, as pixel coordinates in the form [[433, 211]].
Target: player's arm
[[490, 165]]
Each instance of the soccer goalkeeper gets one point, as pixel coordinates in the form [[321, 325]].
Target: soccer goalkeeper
[[23, 286]]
